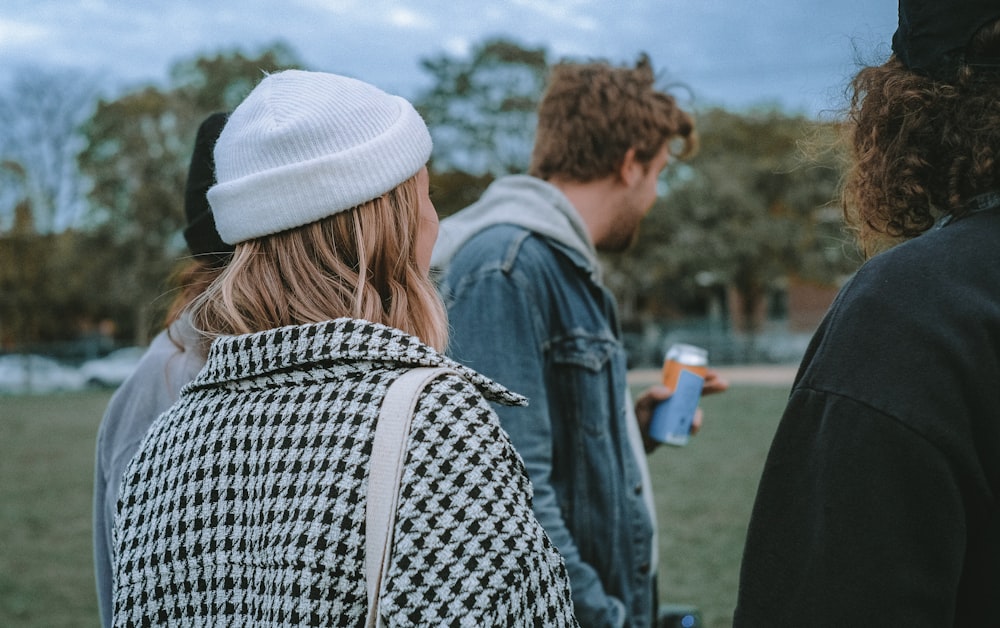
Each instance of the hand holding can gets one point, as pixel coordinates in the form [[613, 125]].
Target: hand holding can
[[684, 371]]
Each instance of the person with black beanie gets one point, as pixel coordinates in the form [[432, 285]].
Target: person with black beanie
[[878, 503], [173, 359]]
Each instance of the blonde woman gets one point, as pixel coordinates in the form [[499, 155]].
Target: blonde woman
[[246, 503]]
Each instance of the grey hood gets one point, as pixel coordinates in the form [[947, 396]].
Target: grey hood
[[526, 202]]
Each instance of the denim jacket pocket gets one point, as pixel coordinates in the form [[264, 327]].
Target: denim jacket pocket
[[580, 365]]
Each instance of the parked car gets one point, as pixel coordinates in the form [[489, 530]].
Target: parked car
[[22, 373], [111, 370]]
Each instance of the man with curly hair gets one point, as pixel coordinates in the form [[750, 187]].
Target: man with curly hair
[[522, 283], [878, 505]]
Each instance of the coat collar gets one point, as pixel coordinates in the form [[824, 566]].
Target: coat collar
[[340, 341]]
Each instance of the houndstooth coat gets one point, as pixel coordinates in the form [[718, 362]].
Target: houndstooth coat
[[245, 505]]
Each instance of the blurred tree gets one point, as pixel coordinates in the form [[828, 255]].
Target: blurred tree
[[139, 147], [46, 288], [22, 278], [41, 111], [481, 109], [454, 190], [222, 81], [136, 162], [755, 205]]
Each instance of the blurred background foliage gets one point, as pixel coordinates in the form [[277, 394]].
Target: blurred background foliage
[[91, 194]]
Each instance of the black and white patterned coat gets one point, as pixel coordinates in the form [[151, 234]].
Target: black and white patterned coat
[[245, 505]]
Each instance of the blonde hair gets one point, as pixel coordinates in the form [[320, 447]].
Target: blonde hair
[[360, 263]]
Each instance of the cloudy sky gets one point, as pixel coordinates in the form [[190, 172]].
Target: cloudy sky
[[798, 54]]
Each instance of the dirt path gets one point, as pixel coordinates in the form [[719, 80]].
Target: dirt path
[[761, 375]]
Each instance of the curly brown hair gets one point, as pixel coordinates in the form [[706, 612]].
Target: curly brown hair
[[920, 148], [592, 113]]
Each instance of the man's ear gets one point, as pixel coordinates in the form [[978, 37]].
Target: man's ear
[[630, 170]]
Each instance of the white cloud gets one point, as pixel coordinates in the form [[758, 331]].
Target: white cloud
[[572, 13], [405, 18], [341, 7], [14, 33], [457, 46]]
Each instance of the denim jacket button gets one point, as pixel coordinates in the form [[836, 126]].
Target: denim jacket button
[[638, 489], [644, 568]]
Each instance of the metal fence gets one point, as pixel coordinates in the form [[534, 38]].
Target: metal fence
[[772, 345]]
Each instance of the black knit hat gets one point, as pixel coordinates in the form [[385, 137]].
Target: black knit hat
[[933, 34], [201, 235]]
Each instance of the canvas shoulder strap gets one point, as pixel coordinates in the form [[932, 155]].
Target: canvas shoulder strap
[[385, 473]]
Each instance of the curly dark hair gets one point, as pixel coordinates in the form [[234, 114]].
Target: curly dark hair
[[592, 113], [920, 148]]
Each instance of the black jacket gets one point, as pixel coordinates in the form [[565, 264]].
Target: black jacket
[[878, 501]]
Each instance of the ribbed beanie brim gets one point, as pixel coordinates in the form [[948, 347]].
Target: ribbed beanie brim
[[306, 145]]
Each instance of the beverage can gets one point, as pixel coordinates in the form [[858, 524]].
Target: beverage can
[[684, 370]]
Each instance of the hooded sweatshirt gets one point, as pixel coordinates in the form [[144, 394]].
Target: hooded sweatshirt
[[527, 202]]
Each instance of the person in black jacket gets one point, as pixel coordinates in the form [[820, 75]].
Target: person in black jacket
[[878, 501]]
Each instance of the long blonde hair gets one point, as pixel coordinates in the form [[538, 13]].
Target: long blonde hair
[[359, 263]]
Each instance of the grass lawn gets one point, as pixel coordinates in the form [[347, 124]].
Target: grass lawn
[[704, 493], [46, 487]]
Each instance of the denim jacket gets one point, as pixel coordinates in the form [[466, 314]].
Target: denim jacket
[[529, 312]]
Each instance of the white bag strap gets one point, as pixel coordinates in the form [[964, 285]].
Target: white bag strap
[[384, 475]]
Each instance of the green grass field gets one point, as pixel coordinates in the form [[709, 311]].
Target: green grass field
[[704, 494]]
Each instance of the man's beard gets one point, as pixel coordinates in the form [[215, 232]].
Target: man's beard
[[619, 239]]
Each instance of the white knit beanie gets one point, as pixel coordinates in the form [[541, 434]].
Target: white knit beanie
[[306, 145]]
